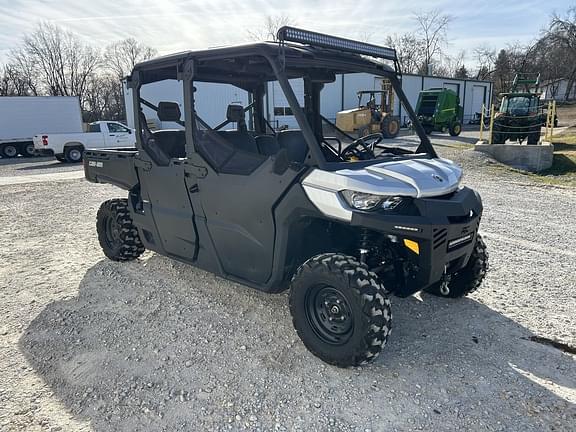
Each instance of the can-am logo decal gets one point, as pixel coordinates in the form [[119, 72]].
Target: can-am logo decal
[[437, 178]]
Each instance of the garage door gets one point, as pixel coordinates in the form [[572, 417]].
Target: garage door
[[478, 98]]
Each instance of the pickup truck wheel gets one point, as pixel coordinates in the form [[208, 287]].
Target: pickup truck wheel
[[340, 309], [9, 151], [468, 279], [73, 154], [117, 234]]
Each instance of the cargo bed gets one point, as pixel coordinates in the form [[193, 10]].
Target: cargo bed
[[113, 166]]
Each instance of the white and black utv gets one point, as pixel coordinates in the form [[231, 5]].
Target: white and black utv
[[342, 223]]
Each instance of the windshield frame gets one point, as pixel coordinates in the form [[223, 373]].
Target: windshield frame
[[264, 62]]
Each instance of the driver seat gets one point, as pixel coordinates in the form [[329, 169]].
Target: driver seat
[[241, 139], [294, 143]]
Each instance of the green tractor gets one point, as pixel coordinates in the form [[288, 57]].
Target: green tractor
[[521, 114], [439, 109]]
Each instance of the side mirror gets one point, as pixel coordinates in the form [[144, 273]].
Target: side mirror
[[169, 111], [281, 162]]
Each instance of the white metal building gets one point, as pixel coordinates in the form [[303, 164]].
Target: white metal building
[[558, 90], [212, 99]]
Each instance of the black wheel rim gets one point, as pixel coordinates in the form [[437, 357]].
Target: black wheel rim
[[112, 230], [329, 314]]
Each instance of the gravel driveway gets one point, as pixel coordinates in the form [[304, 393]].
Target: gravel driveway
[[156, 345]]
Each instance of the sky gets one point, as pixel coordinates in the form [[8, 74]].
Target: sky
[[178, 25]]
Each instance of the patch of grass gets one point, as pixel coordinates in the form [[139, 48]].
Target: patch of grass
[[568, 140], [563, 169]]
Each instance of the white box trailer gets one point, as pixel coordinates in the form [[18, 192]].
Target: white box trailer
[[22, 117]]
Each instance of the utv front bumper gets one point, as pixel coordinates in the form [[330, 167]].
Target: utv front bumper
[[444, 229]]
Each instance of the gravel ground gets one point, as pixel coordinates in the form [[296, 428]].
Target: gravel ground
[[156, 345]]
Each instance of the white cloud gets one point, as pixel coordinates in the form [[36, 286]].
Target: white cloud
[[177, 25]]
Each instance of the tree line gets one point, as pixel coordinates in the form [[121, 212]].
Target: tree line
[[56, 62], [552, 54]]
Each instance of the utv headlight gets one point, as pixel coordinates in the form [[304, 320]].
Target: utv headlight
[[365, 201]]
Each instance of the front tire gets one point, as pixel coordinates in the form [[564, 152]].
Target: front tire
[[469, 279], [340, 310], [390, 127], [117, 234], [455, 129]]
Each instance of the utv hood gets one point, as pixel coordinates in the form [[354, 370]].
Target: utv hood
[[413, 178]]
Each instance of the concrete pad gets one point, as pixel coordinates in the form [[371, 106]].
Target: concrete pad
[[532, 158], [41, 178]]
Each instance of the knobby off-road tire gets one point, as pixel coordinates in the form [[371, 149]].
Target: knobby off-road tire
[[468, 279], [340, 310], [117, 234]]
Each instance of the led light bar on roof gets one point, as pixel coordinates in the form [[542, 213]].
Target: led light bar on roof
[[306, 37]]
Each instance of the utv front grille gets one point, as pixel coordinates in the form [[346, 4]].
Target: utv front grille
[[438, 237]]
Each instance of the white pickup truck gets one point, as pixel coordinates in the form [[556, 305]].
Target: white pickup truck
[[70, 147]]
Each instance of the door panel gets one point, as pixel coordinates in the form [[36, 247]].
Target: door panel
[[171, 209], [239, 216]]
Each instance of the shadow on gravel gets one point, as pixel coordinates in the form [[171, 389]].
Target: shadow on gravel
[[55, 164], [456, 139], [158, 345], [21, 160]]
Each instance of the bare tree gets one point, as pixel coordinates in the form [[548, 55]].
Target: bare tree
[[64, 62], [562, 34], [432, 26], [485, 58], [409, 50], [121, 57], [269, 30]]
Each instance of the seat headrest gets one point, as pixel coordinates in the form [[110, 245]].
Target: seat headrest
[[235, 113]]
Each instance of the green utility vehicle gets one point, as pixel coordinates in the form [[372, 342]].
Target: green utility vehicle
[[521, 114], [439, 109]]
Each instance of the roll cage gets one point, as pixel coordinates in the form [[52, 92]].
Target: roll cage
[[250, 67]]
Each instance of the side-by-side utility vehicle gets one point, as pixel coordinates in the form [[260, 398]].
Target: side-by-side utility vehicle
[[343, 225]]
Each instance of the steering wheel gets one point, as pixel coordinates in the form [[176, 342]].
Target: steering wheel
[[367, 145]]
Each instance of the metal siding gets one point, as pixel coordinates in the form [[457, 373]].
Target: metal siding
[[22, 117], [331, 99]]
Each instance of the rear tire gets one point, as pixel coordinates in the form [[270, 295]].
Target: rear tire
[[533, 138], [498, 138], [9, 151], [340, 310], [117, 234], [468, 279], [27, 150], [73, 154], [455, 129], [390, 127]]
